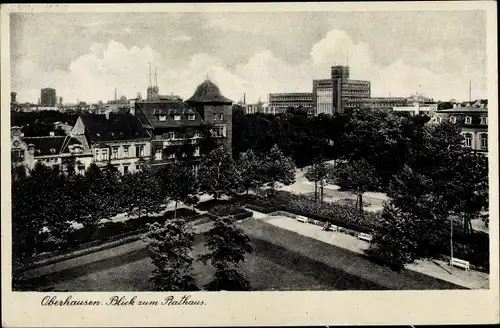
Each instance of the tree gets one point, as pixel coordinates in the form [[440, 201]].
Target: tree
[[411, 225], [179, 183], [218, 174], [278, 168], [470, 194], [97, 192], [357, 177], [170, 246], [227, 246], [142, 193], [250, 167], [319, 173]]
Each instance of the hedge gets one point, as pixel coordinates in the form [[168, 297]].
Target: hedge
[[108, 232]]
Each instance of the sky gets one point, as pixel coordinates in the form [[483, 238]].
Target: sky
[[85, 56]]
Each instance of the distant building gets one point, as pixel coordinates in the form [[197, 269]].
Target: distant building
[[259, 107], [115, 139], [60, 101], [339, 92], [418, 105], [473, 121], [48, 97], [384, 102], [66, 153], [280, 102]]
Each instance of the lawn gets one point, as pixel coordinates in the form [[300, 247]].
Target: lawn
[[282, 260]]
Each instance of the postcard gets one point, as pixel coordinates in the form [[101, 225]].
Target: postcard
[[249, 164]]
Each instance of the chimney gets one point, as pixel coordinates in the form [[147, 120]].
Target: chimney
[[13, 97]]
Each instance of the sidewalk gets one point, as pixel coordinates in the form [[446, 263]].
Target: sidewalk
[[438, 269]]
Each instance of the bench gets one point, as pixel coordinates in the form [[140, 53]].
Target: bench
[[365, 237], [460, 263], [302, 219]]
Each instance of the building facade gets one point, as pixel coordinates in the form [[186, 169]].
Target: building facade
[[114, 139], [48, 97], [177, 128], [339, 92], [280, 102], [323, 96], [473, 121], [65, 153]]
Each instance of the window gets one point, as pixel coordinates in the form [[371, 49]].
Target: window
[[104, 154], [171, 156], [196, 134], [114, 153], [484, 141], [177, 117], [125, 169], [196, 152], [468, 120], [438, 119], [81, 169], [139, 151], [17, 156], [171, 135], [97, 155], [484, 120], [468, 140], [215, 117], [125, 151], [221, 116], [191, 117], [158, 153], [219, 131], [453, 119], [162, 118]]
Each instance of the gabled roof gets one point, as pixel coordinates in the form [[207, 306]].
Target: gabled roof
[[45, 146], [117, 127], [152, 110], [208, 92]]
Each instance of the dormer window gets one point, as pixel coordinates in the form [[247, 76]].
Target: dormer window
[[191, 117], [438, 119], [484, 120], [177, 117], [162, 118], [453, 119], [468, 120], [221, 116]]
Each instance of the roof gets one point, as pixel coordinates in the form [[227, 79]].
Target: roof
[[466, 109], [121, 110], [208, 92], [152, 110], [117, 127], [45, 146]]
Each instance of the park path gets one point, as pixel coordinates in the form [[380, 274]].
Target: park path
[[438, 269]]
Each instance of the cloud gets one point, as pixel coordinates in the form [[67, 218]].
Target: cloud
[[182, 38], [94, 75]]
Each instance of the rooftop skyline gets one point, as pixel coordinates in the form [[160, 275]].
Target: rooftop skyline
[[87, 55]]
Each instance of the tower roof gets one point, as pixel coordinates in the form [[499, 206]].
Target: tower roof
[[208, 92]]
